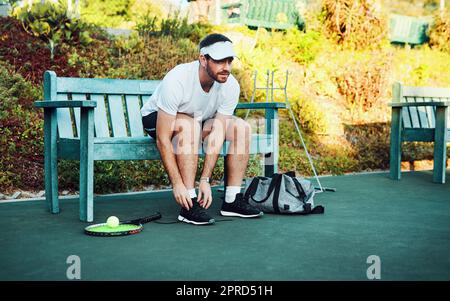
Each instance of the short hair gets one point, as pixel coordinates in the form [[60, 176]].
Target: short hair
[[213, 38]]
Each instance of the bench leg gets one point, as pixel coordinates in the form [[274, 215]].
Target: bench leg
[[51, 160], [87, 165], [396, 144], [272, 128], [440, 145], [270, 166]]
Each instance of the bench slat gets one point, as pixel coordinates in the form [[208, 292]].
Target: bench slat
[[106, 86], [426, 92], [430, 112], [117, 116], [406, 119], [422, 111], [64, 119], [413, 113], [134, 115], [76, 111], [100, 116]]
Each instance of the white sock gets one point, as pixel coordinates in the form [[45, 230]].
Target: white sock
[[192, 193], [231, 192]]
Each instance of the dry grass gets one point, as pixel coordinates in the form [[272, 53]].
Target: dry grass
[[356, 24]]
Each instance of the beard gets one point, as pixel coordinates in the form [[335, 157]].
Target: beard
[[218, 77]]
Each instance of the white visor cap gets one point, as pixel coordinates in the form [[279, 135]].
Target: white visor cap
[[219, 50]]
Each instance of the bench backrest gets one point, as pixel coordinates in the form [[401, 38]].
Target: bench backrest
[[118, 104], [269, 13], [423, 116], [406, 29]]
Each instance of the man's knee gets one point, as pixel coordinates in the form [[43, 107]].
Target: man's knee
[[187, 129], [241, 129]]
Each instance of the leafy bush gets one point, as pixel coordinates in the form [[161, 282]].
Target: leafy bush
[[149, 58], [354, 24], [174, 26], [371, 144], [120, 13], [106, 13], [363, 82], [123, 176], [439, 32], [50, 21], [29, 55], [421, 66], [327, 159], [21, 137], [114, 176]]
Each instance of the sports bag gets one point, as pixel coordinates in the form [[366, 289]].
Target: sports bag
[[282, 194]]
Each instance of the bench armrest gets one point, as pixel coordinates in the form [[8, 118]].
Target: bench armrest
[[261, 105], [419, 104], [65, 104]]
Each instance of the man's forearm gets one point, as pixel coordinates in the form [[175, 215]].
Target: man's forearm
[[210, 163], [169, 161]]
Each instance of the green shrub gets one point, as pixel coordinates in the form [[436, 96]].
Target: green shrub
[[149, 58], [123, 176], [309, 115], [21, 137], [422, 66], [114, 176], [106, 13], [173, 26], [371, 144], [439, 31], [50, 22]]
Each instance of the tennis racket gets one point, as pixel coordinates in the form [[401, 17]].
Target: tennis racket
[[124, 228]]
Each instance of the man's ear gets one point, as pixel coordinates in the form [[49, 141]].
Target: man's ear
[[202, 60]]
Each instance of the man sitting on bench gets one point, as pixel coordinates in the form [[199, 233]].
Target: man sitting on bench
[[197, 100]]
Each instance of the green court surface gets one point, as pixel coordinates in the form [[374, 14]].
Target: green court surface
[[405, 223]]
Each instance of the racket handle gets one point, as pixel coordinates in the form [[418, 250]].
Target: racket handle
[[150, 218], [144, 220]]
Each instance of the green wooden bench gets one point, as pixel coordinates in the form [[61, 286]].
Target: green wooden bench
[[90, 119], [410, 30], [277, 14], [420, 114]]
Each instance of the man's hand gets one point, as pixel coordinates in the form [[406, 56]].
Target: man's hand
[[204, 194], [182, 197]]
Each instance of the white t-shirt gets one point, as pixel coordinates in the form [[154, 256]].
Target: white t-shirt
[[181, 92]]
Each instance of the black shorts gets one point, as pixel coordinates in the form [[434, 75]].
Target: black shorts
[[149, 123]]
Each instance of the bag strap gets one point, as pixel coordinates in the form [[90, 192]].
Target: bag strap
[[290, 173], [276, 194], [316, 210], [251, 190], [300, 190], [254, 186]]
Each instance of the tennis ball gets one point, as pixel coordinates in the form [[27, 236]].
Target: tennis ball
[[112, 221]]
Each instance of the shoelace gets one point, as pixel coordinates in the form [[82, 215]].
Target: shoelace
[[198, 211]]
